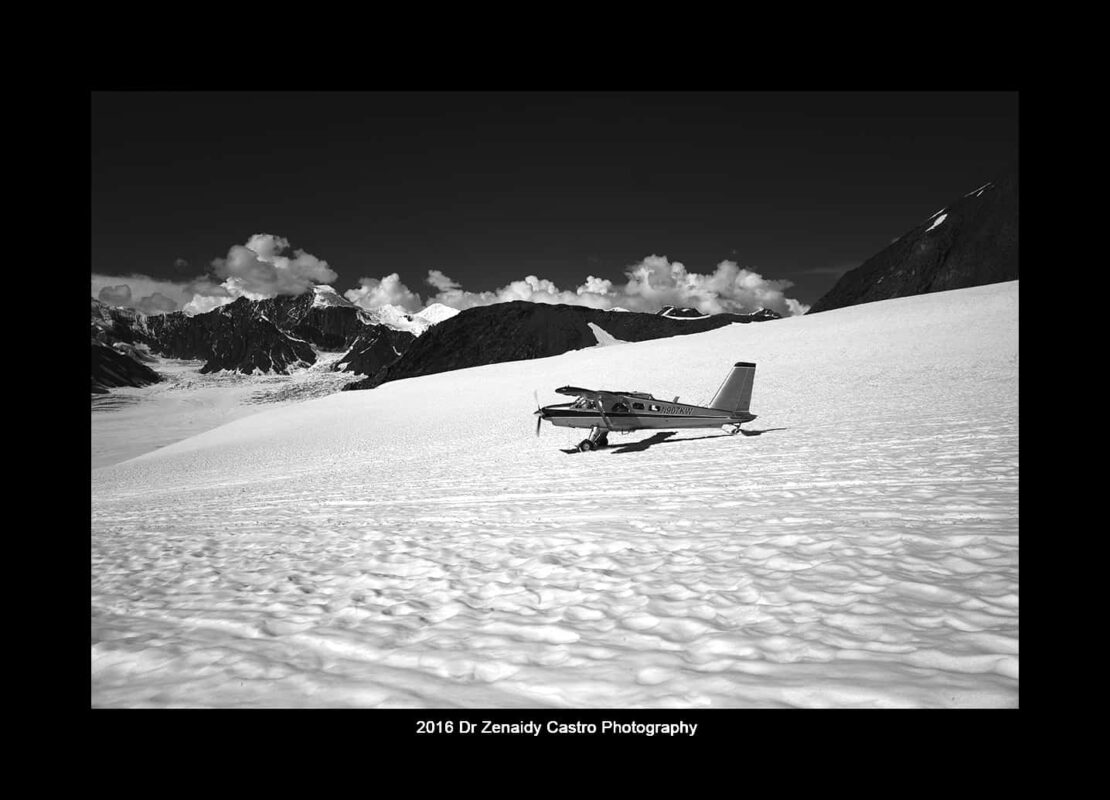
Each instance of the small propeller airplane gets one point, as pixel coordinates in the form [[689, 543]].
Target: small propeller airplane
[[603, 411]]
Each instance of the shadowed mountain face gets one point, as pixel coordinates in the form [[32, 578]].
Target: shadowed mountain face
[[522, 330], [972, 242], [271, 335], [238, 336], [117, 341], [328, 327], [376, 348], [110, 368]]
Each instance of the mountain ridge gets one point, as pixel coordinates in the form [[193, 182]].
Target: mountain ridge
[[970, 242], [520, 330]]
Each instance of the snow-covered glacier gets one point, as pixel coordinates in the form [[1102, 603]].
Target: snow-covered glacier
[[416, 546]]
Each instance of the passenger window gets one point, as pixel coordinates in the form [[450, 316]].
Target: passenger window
[[654, 407], [638, 406]]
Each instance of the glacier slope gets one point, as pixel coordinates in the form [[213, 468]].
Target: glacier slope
[[415, 545], [131, 421]]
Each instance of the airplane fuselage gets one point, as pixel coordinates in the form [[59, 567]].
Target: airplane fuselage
[[630, 412]]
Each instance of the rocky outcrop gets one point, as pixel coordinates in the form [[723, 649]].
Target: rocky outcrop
[[972, 242], [521, 330]]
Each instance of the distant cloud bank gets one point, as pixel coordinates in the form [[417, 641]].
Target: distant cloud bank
[[261, 268]]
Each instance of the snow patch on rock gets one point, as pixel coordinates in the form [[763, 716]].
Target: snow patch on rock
[[937, 222], [604, 339]]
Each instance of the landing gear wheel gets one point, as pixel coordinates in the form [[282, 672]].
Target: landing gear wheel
[[585, 445]]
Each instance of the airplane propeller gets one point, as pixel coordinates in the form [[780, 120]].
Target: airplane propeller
[[538, 412]]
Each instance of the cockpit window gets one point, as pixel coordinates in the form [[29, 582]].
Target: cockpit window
[[579, 403], [638, 406]]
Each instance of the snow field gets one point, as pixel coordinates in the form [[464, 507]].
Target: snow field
[[416, 545]]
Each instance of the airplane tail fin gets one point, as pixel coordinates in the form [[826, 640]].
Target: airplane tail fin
[[735, 394]]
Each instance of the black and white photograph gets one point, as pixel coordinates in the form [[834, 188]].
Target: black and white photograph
[[546, 401]]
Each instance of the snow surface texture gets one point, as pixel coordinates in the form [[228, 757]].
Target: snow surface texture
[[416, 545]]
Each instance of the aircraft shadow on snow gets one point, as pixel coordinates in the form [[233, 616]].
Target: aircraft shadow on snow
[[664, 437]]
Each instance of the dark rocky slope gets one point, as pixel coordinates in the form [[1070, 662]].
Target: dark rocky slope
[[976, 243], [238, 336], [521, 330], [110, 369], [118, 349], [376, 348], [328, 327]]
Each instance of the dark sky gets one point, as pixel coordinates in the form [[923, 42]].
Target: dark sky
[[490, 187]]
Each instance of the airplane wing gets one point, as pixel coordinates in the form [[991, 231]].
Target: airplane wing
[[575, 391], [592, 394]]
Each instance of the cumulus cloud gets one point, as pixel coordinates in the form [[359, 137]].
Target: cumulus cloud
[[441, 282], [202, 304], [652, 283], [258, 269], [122, 289], [262, 268], [655, 281], [157, 303], [115, 295], [596, 286], [388, 291]]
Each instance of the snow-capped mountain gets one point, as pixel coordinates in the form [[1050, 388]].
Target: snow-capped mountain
[[521, 330], [400, 320], [683, 314], [671, 312], [240, 336], [396, 318], [282, 333], [437, 313], [972, 242], [269, 336], [326, 296]]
